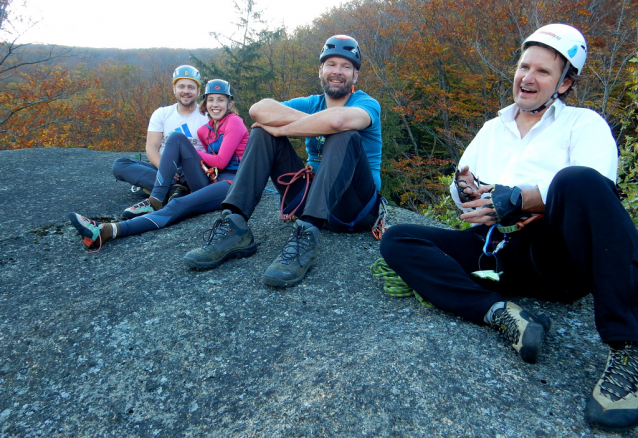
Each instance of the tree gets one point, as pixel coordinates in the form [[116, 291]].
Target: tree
[[15, 60], [13, 54], [240, 61], [50, 107]]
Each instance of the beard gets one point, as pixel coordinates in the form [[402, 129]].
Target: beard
[[336, 91], [187, 101]]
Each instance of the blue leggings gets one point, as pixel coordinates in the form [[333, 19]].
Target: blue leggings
[[135, 172], [205, 197]]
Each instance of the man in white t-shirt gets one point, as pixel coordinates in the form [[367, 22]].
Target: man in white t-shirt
[[182, 116], [538, 184]]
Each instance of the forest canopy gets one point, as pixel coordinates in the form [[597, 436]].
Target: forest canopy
[[440, 69]]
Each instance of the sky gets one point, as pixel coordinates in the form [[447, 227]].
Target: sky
[[129, 24]]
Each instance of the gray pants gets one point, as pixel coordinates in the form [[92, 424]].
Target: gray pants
[[342, 187]]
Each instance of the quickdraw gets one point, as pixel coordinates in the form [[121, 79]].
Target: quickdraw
[[307, 172], [494, 274], [379, 226], [211, 172]]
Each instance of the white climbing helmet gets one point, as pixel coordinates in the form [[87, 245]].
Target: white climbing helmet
[[565, 39]]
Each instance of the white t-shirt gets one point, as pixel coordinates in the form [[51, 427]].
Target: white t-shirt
[[565, 136], [167, 119]]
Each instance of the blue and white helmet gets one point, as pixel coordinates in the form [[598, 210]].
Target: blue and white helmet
[[565, 39], [187, 72], [218, 86]]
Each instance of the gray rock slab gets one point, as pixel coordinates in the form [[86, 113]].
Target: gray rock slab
[[129, 342]]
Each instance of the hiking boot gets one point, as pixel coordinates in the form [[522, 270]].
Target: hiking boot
[[613, 404], [88, 229], [177, 191], [297, 257], [139, 209], [229, 237], [522, 328]]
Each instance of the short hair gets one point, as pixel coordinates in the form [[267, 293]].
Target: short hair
[[572, 73]]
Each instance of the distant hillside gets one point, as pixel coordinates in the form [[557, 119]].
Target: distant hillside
[[88, 58]]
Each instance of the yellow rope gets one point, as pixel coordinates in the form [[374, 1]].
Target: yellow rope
[[393, 285]]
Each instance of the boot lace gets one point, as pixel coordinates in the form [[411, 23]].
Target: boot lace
[[298, 241], [221, 227], [142, 204], [507, 325], [620, 378]]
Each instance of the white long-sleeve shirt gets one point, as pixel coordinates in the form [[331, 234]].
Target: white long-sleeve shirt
[[565, 136]]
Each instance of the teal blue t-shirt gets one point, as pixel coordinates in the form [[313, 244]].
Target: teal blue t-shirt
[[370, 136]]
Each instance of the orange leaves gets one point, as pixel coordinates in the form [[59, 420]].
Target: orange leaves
[[37, 110], [107, 109], [415, 180]]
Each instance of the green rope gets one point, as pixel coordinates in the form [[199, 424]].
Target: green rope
[[393, 285]]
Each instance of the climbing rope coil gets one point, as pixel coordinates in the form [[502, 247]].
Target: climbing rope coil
[[393, 285]]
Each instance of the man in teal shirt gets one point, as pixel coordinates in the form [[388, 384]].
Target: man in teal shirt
[[343, 140]]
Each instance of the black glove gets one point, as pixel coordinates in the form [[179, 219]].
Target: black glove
[[507, 203]]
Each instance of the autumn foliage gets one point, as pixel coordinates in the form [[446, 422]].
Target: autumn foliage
[[440, 69]]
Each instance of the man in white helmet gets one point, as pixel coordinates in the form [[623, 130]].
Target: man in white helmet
[[182, 116], [538, 185]]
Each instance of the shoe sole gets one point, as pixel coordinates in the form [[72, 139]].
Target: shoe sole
[[532, 342], [128, 215], [238, 254], [611, 420], [277, 282], [544, 321]]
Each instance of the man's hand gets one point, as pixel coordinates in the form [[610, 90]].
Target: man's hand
[[466, 184], [269, 112], [483, 212], [275, 131]]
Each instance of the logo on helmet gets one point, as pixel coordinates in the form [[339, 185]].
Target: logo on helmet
[[551, 34], [572, 52]]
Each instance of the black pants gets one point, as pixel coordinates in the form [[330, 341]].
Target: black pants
[[585, 243], [342, 186]]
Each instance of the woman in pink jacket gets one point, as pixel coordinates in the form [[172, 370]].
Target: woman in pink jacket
[[208, 174]]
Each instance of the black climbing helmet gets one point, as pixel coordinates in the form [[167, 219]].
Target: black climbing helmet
[[344, 46]]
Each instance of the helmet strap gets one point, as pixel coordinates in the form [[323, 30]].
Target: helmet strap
[[554, 95]]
